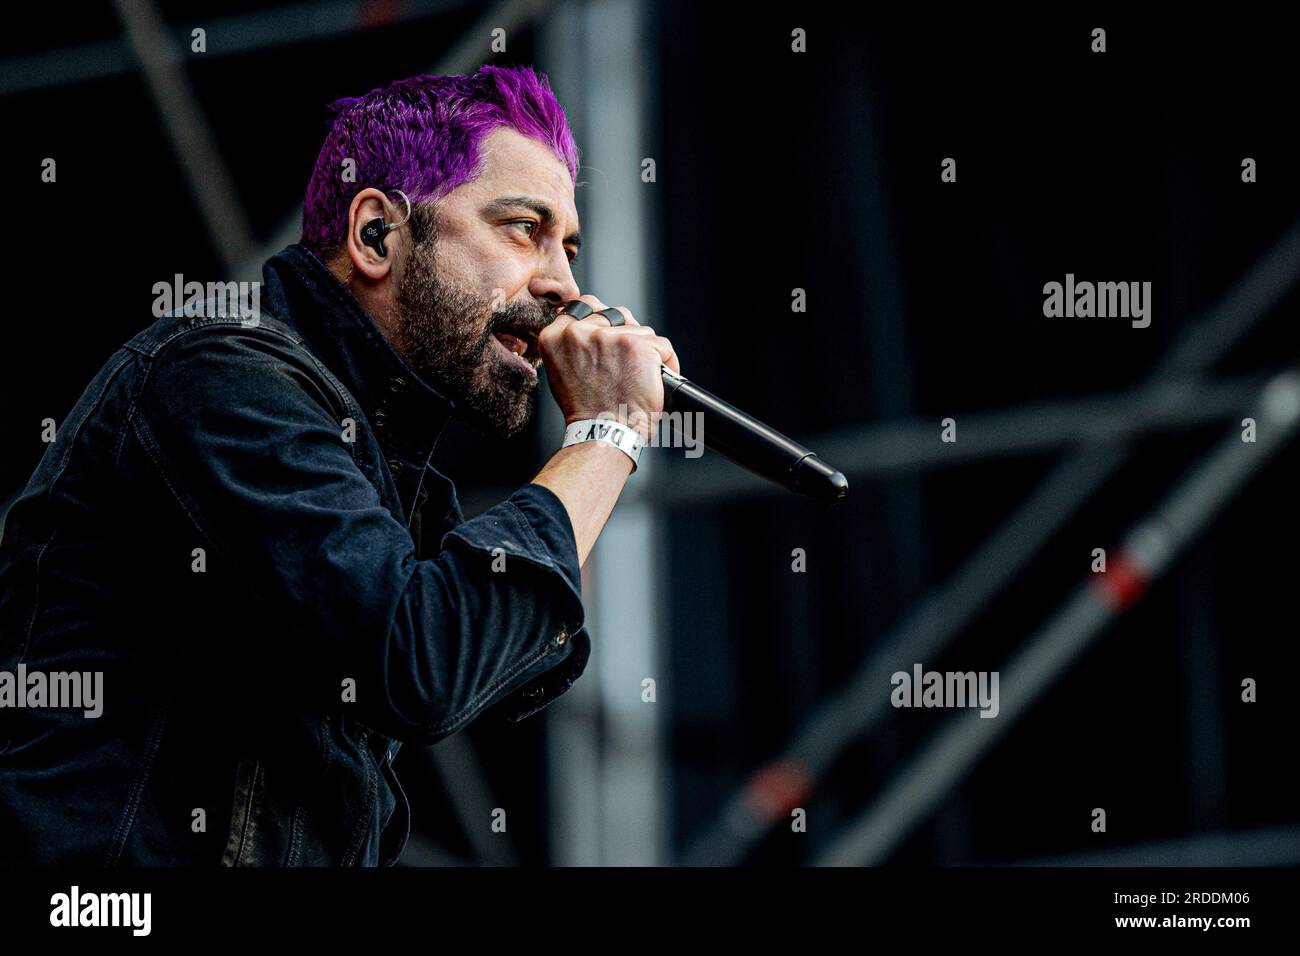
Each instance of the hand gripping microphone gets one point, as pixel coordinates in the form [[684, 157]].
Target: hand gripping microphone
[[751, 444]]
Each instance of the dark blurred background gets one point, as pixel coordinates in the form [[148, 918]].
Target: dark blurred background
[[773, 171]]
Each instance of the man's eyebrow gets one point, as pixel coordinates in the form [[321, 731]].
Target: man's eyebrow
[[503, 204]]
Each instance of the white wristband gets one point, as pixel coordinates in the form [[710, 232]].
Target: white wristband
[[623, 437]]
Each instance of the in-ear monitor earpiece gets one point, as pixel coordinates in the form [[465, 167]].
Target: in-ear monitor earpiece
[[373, 232]]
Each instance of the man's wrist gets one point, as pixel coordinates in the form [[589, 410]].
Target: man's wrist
[[604, 431], [597, 451], [638, 420]]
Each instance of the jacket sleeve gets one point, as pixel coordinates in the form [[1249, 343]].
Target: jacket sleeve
[[247, 432]]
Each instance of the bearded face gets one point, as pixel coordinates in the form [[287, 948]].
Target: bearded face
[[485, 359]]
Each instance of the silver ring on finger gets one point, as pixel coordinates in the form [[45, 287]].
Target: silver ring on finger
[[615, 315]]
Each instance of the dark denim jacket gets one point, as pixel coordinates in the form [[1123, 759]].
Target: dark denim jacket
[[274, 608]]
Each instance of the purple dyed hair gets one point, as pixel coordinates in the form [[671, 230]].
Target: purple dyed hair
[[424, 136]]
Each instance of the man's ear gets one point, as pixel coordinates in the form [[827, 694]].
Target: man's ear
[[367, 205]]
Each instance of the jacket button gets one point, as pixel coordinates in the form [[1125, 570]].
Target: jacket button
[[395, 467], [533, 694], [397, 384], [379, 419]]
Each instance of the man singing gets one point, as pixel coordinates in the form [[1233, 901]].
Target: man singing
[[237, 531]]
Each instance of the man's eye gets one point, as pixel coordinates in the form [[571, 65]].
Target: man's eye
[[531, 225]]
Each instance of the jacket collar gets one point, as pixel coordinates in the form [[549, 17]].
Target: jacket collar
[[407, 413]]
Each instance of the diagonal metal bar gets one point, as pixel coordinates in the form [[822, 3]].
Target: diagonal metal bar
[[1147, 551], [182, 117], [755, 807], [1270, 846]]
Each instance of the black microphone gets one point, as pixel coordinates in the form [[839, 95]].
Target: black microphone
[[753, 445]]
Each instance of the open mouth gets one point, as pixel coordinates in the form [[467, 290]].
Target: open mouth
[[522, 346]]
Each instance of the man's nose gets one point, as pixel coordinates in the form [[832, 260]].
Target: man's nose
[[556, 286]]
